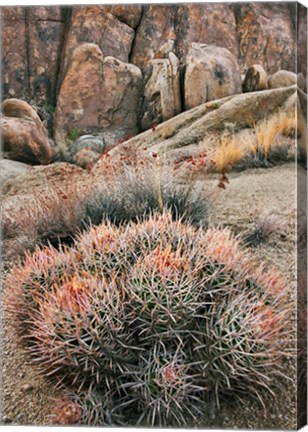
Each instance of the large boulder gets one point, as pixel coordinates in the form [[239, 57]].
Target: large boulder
[[79, 100], [121, 95], [10, 169], [266, 35], [24, 136], [97, 95], [211, 73], [255, 79], [162, 96], [281, 78]]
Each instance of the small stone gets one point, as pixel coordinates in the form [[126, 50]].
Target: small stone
[[27, 387], [19, 417], [6, 419]]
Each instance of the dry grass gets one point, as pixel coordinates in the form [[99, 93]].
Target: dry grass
[[231, 150], [266, 142], [267, 131]]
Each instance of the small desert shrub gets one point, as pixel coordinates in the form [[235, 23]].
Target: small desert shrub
[[264, 226], [147, 323], [135, 186]]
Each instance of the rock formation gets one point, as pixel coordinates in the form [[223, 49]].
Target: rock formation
[[114, 90], [24, 137], [211, 73]]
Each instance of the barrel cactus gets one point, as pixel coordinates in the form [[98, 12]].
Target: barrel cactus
[[146, 323]]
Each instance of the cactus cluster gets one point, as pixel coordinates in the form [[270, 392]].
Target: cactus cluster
[[146, 323]]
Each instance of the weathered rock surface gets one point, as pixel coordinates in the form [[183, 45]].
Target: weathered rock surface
[[94, 24], [162, 95], [129, 14], [38, 44], [97, 94], [32, 42], [155, 35], [46, 27], [207, 23], [24, 136], [188, 129], [15, 77], [266, 36], [79, 100], [302, 82], [281, 78], [211, 73], [10, 169], [121, 93]]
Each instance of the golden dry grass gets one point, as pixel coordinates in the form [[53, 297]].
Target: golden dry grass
[[263, 138], [231, 150], [267, 131]]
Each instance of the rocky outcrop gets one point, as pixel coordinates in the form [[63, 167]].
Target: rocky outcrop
[[127, 13], [24, 137], [15, 75], [235, 112], [266, 36], [162, 96], [97, 94], [211, 73], [39, 42], [121, 94]]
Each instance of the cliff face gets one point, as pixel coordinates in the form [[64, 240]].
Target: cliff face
[[148, 43]]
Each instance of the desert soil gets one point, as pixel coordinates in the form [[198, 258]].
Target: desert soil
[[26, 395]]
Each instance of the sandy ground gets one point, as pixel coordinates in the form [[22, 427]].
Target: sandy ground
[[26, 394]]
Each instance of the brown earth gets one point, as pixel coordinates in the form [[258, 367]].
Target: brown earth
[[26, 394]]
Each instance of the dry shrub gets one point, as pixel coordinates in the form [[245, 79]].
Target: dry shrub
[[230, 151], [135, 185], [268, 131]]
